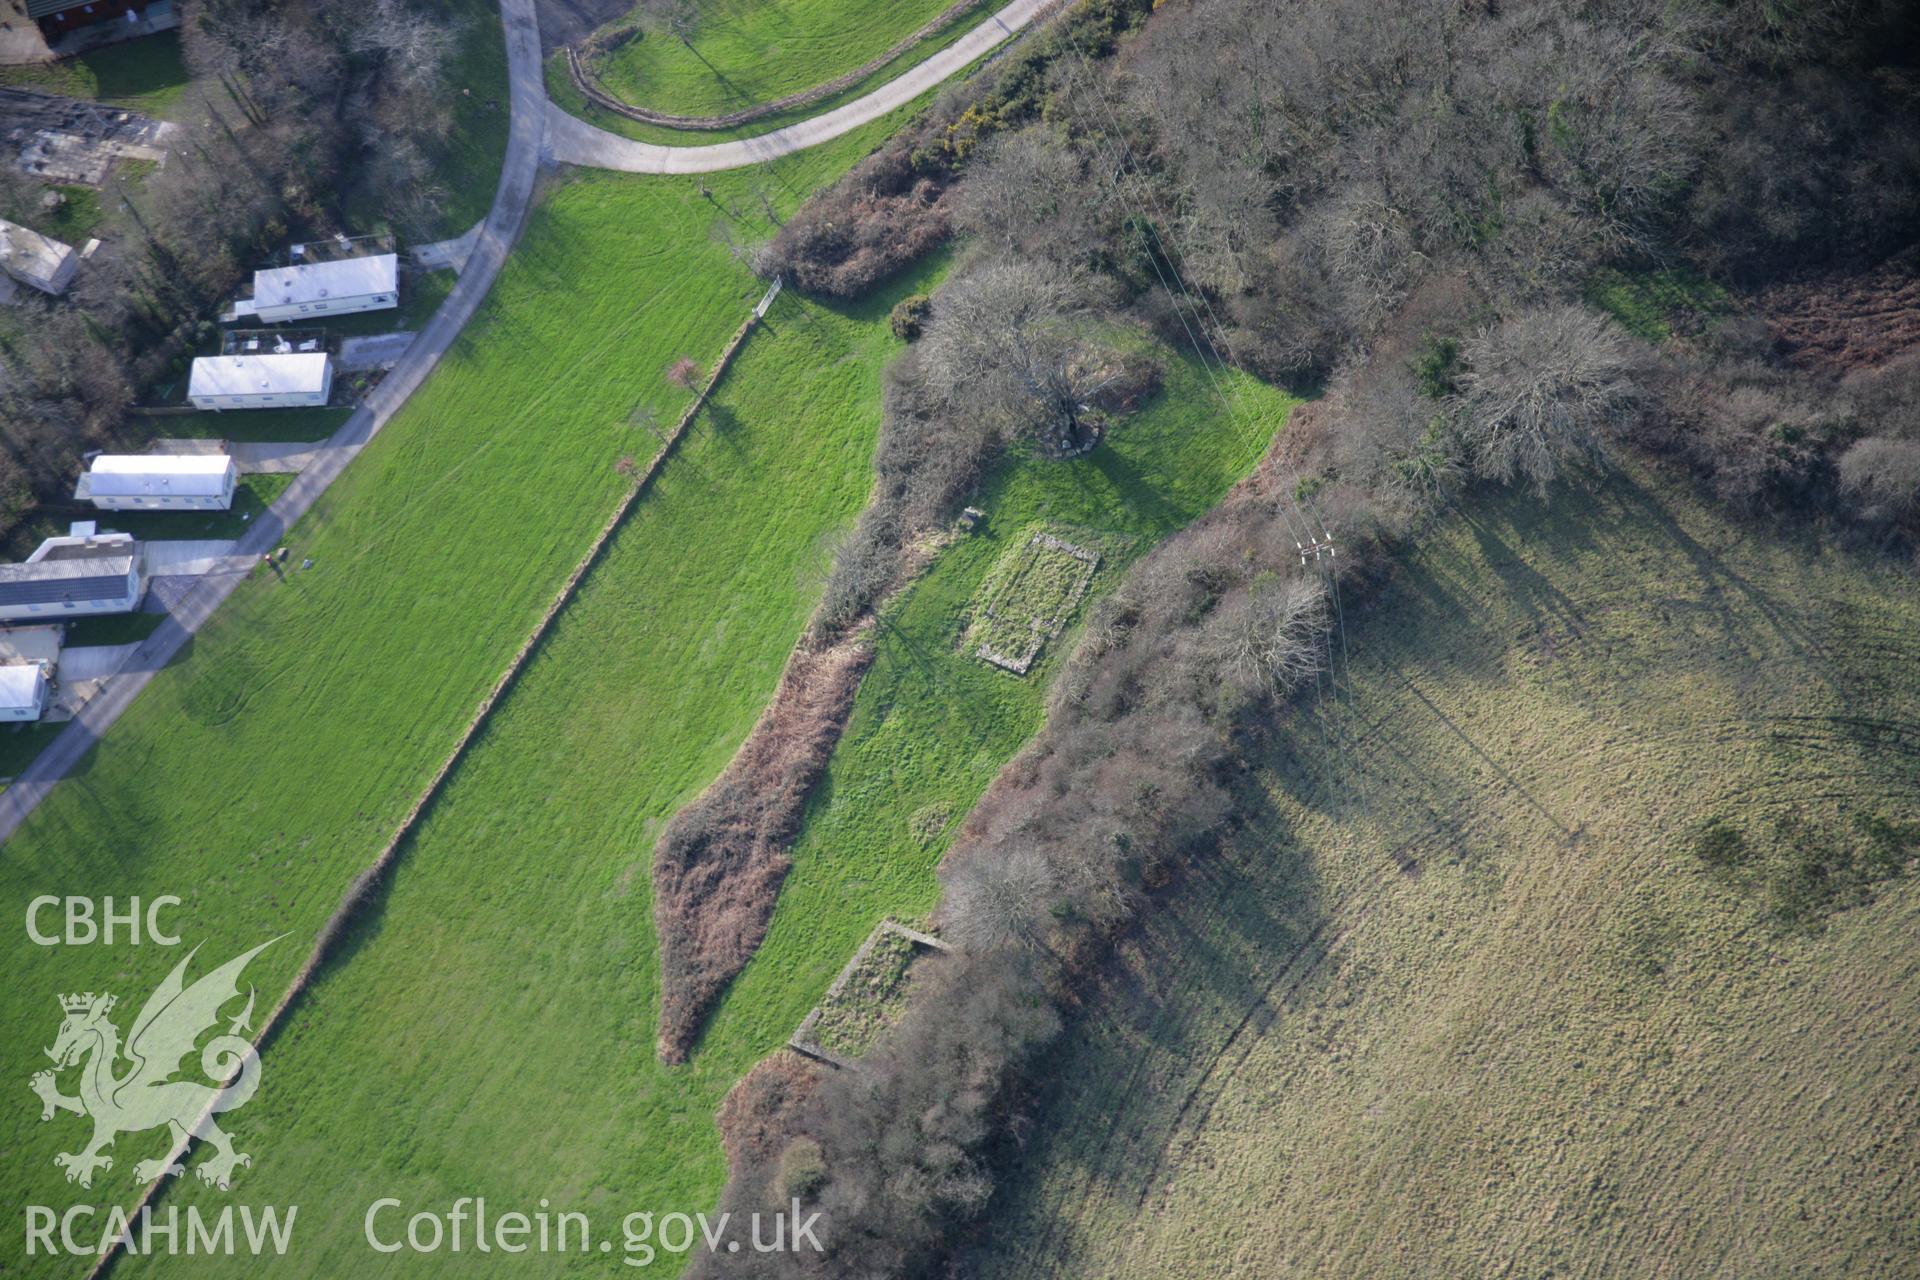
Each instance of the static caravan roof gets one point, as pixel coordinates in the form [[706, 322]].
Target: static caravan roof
[[319, 281], [63, 570], [20, 686], [302, 373], [30, 256], [147, 475]]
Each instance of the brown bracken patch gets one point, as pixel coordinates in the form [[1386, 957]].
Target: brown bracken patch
[[756, 1116], [1846, 322], [719, 864]]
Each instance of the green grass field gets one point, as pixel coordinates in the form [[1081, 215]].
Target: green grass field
[[19, 744], [746, 52], [932, 724], [750, 60], [530, 880], [269, 764], [1479, 1006], [147, 75], [1649, 303]]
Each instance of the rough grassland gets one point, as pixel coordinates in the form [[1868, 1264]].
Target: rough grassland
[[875, 993], [1485, 1011], [261, 772], [1030, 593], [1649, 304]]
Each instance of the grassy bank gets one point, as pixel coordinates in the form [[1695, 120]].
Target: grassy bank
[[745, 52], [1481, 1005], [561, 89]]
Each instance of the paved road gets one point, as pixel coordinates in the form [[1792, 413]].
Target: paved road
[[191, 557], [448, 253], [253, 456], [190, 611], [574, 141]]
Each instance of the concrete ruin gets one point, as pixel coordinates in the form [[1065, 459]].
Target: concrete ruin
[[67, 141]]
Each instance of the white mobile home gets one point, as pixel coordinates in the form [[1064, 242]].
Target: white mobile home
[[37, 260], [164, 482], [260, 382], [308, 290], [23, 691], [72, 576]]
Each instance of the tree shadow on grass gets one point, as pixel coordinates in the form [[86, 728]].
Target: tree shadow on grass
[[1238, 942], [1717, 576]]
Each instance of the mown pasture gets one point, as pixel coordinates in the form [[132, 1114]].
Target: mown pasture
[[257, 775]]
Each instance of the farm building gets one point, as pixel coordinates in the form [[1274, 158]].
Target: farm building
[[36, 260], [82, 573], [177, 482], [23, 691], [308, 289], [271, 381]]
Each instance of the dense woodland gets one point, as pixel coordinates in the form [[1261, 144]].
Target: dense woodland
[[1424, 210], [298, 110]]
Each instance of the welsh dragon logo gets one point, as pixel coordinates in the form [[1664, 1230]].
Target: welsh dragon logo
[[145, 1095]]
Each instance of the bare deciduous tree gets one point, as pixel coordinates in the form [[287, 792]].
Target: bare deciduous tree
[[684, 372], [1029, 192], [994, 901], [1539, 390], [410, 46], [1883, 474], [1009, 342], [1275, 634]]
